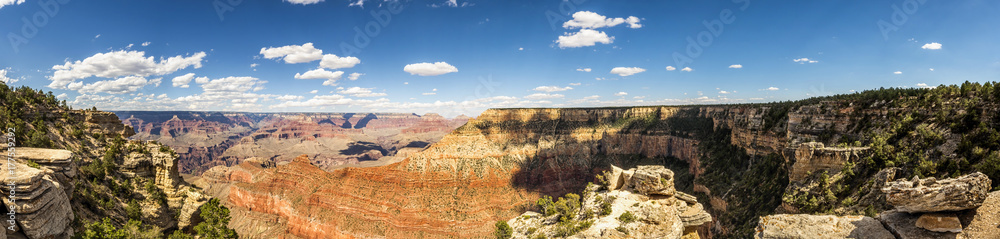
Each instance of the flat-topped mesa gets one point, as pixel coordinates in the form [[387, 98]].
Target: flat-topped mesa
[[933, 195]]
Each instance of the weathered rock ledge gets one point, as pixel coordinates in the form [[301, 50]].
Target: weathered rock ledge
[[647, 192]]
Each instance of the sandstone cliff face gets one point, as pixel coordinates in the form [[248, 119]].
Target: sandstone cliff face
[[207, 139]]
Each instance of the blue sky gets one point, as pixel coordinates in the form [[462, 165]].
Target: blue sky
[[462, 57]]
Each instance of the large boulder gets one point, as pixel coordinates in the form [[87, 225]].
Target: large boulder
[[816, 226], [932, 195], [653, 179], [984, 221]]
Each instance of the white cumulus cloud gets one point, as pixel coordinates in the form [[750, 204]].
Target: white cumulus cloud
[[932, 46], [118, 86], [687, 69], [232, 84], [10, 2], [583, 69], [120, 63], [585, 37], [183, 81], [5, 79], [354, 76], [331, 61], [591, 20], [736, 66], [671, 68], [430, 69], [633, 22], [331, 77], [626, 71], [293, 53], [898, 73], [622, 93]]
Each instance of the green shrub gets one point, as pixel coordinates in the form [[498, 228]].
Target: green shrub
[[503, 231], [568, 228], [216, 219], [546, 205], [568, 206], [133, 211], [33, 164], [606, 206], [627, 217], [179, 235], [622, 229]]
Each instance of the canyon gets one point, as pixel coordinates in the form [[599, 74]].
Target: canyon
[[490, 169], [716, 171], [742, 162], [332, 140]]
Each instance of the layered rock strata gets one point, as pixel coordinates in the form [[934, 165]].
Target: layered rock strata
[[41, 207], [932, 195]]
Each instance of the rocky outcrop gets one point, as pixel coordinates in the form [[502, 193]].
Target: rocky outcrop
[[812, 157], [789, 226], [58, 160], [932, 195], [652, 180], [41, 207], [159, 165], [656, 215]]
